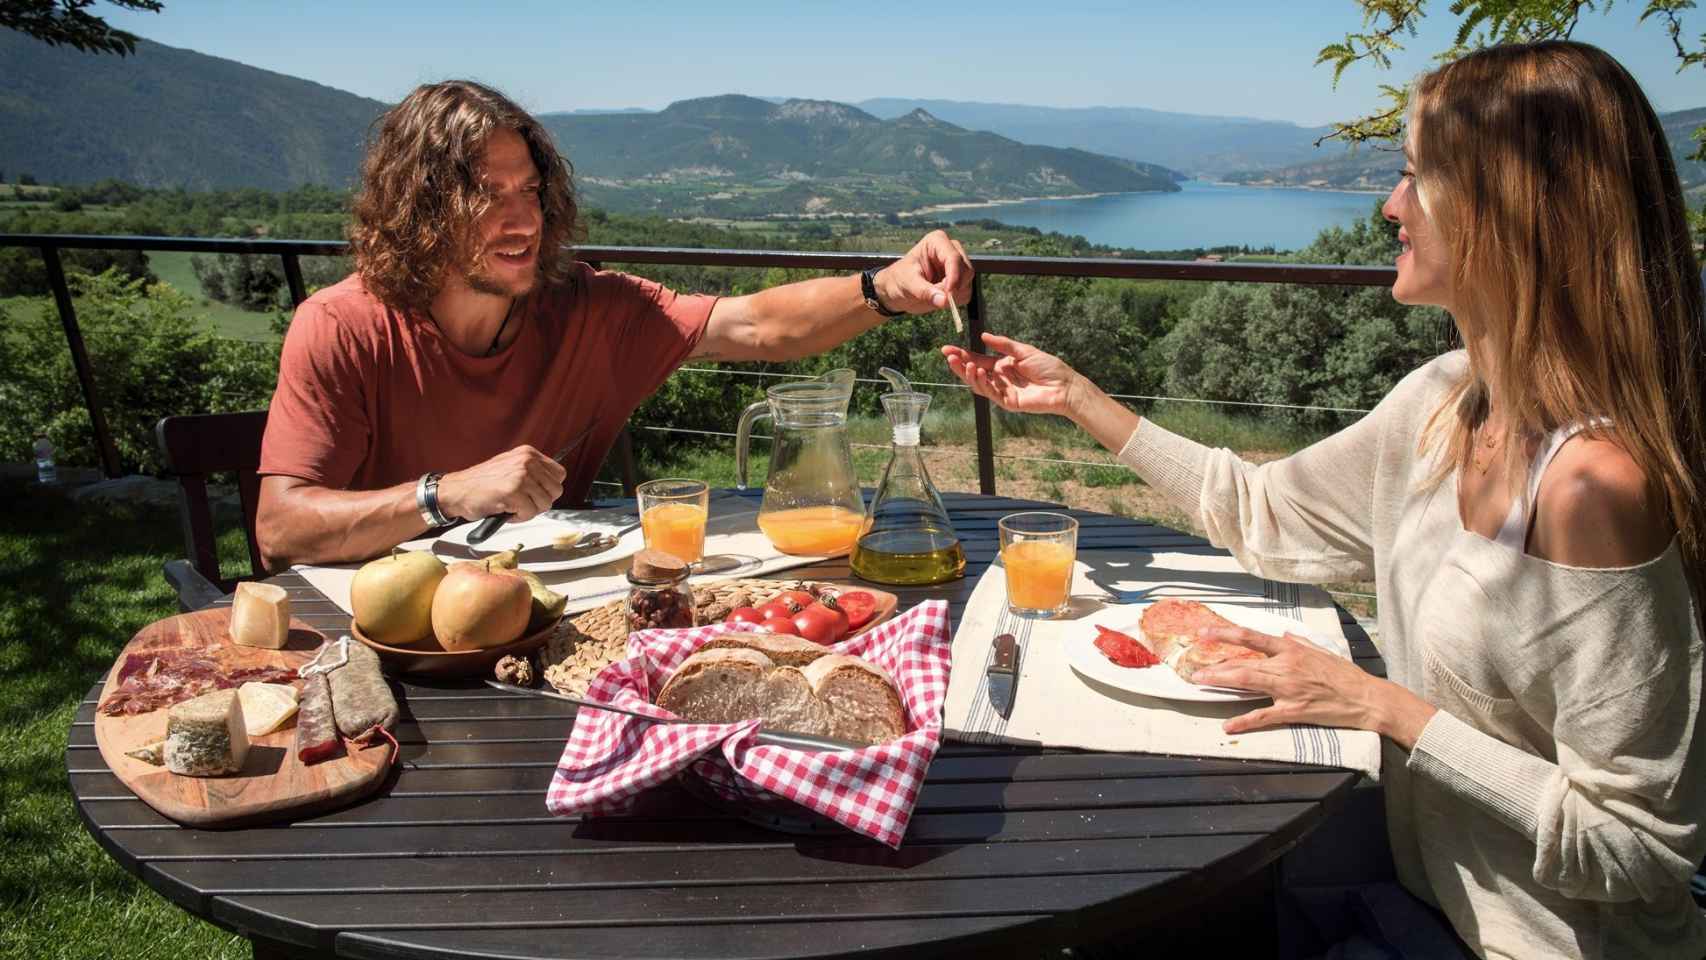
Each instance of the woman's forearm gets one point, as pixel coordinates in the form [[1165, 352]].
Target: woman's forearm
[[1100, 415]]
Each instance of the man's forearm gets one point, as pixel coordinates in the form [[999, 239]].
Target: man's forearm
[[310, 524], [795, 320]]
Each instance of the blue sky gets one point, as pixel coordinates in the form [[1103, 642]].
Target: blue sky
[[1231, 57]]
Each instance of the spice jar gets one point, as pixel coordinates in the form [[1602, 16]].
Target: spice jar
[[658, 595]]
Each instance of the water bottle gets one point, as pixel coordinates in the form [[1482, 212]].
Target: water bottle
[[46, 473]]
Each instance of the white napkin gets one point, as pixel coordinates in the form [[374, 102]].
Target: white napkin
[[1053, 706], [734, 547]]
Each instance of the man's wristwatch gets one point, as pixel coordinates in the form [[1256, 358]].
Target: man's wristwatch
[[868, 285], [426, 500]]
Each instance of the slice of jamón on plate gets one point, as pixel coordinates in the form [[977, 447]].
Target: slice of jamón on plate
[[1170, 631]]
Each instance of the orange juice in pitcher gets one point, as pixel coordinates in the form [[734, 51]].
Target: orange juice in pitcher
[[812, 531]]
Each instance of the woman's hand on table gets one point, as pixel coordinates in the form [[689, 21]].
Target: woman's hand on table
[[1310, 685]]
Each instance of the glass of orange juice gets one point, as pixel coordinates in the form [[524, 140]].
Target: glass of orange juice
[[1038, 550], [672, 514]]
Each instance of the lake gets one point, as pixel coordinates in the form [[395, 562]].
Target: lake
[[1201, 214]]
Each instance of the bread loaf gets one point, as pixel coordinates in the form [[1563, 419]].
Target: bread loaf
[[780, 648], [735, 678]]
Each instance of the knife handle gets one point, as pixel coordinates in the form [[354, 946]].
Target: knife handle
[[485, 528], [1006, 653]]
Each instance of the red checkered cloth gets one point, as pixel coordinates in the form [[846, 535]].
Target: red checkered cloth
[[610, 758]]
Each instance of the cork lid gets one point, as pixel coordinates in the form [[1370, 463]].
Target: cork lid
[[656, 566]]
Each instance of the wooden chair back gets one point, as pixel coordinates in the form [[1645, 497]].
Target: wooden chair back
[[197, 445]]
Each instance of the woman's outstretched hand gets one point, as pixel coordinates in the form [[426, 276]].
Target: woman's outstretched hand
[[1020, 378]]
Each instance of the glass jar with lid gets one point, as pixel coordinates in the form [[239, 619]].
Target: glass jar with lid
[[658, 595]]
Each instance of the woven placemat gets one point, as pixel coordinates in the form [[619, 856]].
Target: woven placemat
[[583, 645]]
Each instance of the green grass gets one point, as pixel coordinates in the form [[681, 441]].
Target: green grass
[[76, 581], [174, 268]]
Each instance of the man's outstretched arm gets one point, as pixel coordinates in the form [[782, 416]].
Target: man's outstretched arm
[[802, 319]]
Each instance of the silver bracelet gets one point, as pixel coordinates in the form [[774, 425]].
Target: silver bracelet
[[426, 500]]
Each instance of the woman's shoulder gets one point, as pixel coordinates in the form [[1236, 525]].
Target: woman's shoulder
[[1596, 507]]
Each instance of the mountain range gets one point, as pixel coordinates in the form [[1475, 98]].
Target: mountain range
[[167, 117], [735, 155]]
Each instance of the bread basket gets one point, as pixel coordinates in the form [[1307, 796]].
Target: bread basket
[[870, 791]]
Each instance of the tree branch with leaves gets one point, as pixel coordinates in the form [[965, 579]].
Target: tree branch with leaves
[[67, 23], [1481, 23]]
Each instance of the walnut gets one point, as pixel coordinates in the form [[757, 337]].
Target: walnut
[[516, 670]]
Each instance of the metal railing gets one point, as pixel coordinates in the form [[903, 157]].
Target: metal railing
[[290, 252]]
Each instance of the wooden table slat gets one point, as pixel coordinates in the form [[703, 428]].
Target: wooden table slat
[[712, 836]]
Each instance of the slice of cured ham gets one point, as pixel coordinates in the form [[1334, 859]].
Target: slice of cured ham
[[159, 678], [1170, 629]]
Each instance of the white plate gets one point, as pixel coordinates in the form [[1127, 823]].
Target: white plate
[[1160, 681], [537, 535]]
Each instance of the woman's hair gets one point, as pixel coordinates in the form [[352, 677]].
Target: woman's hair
[[1548, 176], [422, 192]]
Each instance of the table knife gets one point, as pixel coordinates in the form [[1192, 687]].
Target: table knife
[[774, 738], [1003, 676], [484, 530]]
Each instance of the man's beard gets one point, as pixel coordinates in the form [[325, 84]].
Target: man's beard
[[482, 282]]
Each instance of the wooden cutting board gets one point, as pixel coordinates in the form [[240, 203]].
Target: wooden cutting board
[[273, 783]]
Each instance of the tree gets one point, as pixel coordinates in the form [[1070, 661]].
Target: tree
[[57, 22], [1481, 23]]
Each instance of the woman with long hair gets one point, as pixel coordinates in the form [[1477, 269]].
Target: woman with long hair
[[1530, 508]]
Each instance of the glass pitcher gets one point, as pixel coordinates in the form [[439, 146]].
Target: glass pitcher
[[812, 504]]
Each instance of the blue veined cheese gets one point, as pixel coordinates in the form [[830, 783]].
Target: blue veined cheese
[[205, 736]]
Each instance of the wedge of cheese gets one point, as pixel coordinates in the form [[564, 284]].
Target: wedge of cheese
[[266, 706], [260, 615], [205, 737]]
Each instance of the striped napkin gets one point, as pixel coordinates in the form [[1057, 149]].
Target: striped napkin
[[1056, 707]]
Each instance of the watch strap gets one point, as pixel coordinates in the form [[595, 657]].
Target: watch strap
[[426, 500], [868, 286]]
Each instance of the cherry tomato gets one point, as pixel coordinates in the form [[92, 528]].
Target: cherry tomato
[[859, 607], [800, 598], [782, 623], [781, 606], [744, 615], [821, 624]]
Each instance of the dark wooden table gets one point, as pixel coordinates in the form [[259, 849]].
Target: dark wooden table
[[1011, 850]]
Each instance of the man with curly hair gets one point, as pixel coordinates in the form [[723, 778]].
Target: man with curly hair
[[426, 386]]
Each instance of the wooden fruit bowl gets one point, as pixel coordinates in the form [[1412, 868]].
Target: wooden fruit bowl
[[428, 659]]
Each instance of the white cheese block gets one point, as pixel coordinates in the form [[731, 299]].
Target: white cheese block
[[205, 736], [260, 615]]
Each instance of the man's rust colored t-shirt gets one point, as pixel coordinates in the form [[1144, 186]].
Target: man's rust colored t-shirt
[[369, 397]]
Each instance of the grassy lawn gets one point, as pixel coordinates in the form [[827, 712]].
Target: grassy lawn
[[76, 582]]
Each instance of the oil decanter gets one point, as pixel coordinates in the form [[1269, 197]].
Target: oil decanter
[[908, 538]]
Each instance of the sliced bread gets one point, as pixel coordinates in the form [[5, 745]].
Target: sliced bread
[[833, 695], [785, 650], [863, 703]]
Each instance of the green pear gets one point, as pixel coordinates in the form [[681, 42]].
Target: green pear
[[391, 597], [548, 604]]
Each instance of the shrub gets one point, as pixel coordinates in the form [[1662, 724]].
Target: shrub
[[150, 359]]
